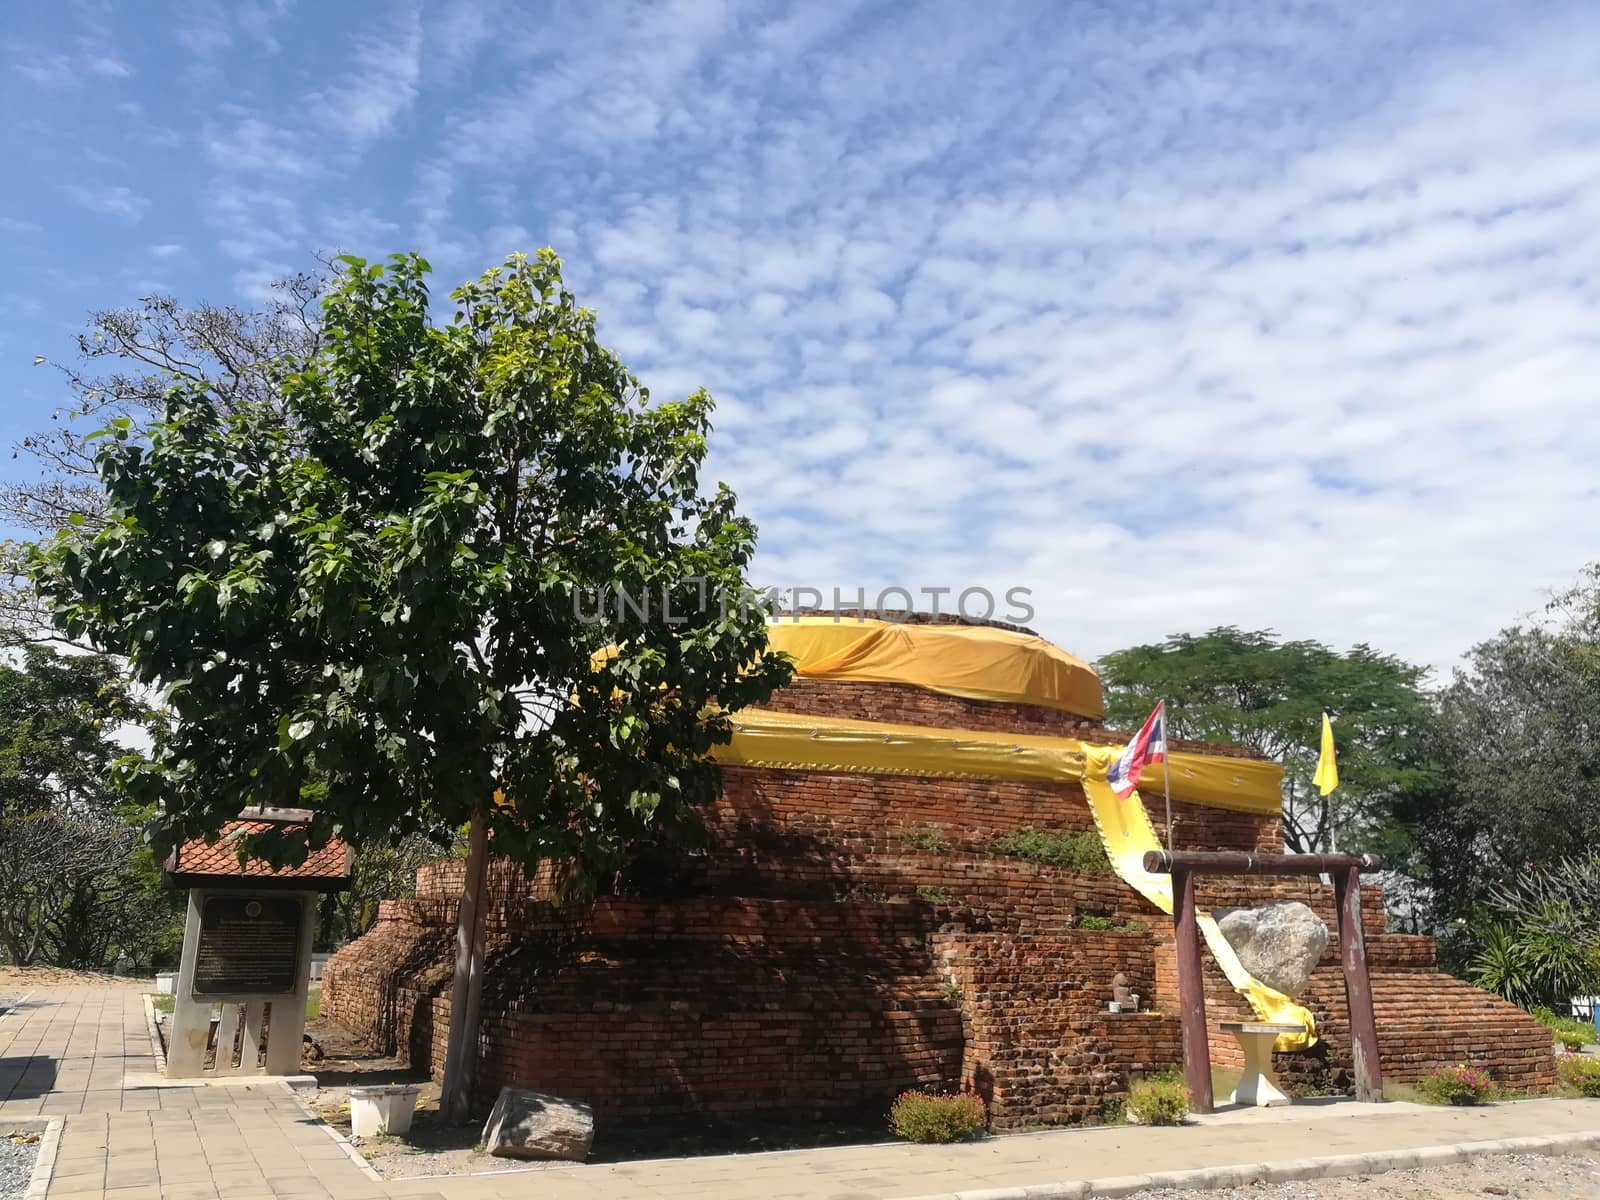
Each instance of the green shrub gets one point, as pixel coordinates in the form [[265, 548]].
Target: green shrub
[[1070, 851], [926, 839], [1572, 1033], [1114, 1111], [1579, 1073], [1458, 1084], [1096, 921], [1159, 1100], [935, 895], [1535, 961], [937, 1117]]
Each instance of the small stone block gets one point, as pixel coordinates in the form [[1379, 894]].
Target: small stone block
[[526, 1124]]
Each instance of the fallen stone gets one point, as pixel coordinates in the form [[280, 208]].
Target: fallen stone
[[526, 1124], [1278, 943]]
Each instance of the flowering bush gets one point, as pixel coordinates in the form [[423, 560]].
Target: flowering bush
[[1459, 1084], [937, 1117], [1580, 1073]]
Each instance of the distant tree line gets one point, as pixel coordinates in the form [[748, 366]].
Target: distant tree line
[[1482, 794]]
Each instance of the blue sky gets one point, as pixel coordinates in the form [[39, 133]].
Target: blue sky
[[1178, 314]]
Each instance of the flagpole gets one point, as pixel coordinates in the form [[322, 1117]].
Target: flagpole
[[1166, 770]]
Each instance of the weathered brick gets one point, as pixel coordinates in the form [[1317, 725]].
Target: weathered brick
[[843, 937]]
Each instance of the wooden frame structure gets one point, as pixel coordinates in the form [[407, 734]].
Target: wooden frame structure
[[1345, 871]]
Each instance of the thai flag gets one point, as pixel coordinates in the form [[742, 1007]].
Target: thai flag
[[1148, 746]]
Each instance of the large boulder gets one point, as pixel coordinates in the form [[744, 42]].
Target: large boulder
[[1278, 943], [527, 1124]]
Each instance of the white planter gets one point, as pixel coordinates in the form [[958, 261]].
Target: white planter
[[387, 1109], [166, 982]]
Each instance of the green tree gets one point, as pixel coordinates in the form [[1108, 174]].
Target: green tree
[[1539, 945], [1519, 785], [1251, 689], [71, 888], [386, 586]]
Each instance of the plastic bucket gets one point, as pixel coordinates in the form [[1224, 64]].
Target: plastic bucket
[[383, 1110]]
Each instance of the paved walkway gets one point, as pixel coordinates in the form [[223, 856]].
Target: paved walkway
[[85, 1055]]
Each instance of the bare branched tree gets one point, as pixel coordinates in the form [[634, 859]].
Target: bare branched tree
[[127, 360], [50, 859]]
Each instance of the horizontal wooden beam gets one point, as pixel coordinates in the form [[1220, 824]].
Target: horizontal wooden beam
[[1231, 862]]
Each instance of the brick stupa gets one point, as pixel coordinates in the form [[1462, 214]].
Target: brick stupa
[[849, 935]]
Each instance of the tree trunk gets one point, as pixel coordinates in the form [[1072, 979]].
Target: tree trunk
[[461, 1050], [13, 948]]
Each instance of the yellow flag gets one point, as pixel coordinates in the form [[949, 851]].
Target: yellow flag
[[1327, 776]]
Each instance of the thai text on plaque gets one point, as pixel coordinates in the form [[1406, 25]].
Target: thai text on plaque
[[248, 944]]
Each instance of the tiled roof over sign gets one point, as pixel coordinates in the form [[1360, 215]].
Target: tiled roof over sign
[[194, 862]]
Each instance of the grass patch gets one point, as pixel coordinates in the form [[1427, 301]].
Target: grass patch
[[935, 895], [1069, 851], [1223, 1082], [930, 840], [165, 1002]]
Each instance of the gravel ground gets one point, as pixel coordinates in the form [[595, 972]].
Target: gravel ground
[[1518, 1176], [17, 1152]]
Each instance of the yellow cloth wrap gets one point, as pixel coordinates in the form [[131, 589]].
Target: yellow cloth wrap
[[799, 742], [977, 662], [1127, 833]]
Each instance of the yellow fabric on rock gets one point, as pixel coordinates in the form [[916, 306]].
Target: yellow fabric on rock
[[1126, 831], [977, 662]]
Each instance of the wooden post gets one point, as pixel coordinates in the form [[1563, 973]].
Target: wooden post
[[461, 1050], [1358, 986], [1191, 993]]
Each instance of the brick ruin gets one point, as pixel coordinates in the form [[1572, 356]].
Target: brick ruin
[[846, 936]]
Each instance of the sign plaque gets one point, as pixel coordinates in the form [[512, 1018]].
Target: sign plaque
[[248, 945]]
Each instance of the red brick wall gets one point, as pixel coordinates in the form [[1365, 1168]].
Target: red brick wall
[[1040, 1047], [875, 813], [378, 985], [902, 704], [706, 1005]]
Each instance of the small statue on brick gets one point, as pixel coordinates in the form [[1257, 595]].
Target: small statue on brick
[[1122, 994]]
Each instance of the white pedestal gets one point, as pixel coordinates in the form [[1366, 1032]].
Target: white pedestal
[[1258, 1086]]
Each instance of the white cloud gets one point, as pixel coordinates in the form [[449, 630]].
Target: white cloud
[[109, 201], [58, 71], [380, 84], [1261, 314]]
